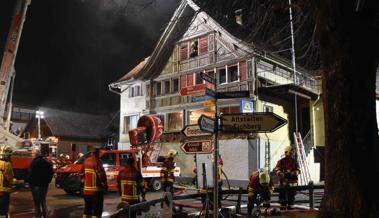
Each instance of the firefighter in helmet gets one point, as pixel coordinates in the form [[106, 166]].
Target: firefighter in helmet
[[167, 172], [130, 184], [288, 170], [259, 190], [6, 179], [95, 184]]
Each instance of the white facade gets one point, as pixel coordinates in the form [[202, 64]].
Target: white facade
[[132, 107]]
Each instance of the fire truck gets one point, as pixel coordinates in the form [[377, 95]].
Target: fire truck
[[22, 157], [143, 139]]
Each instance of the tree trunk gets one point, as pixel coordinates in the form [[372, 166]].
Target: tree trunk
[[349, 56]]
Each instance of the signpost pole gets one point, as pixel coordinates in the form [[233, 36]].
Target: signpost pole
[[215, 169]]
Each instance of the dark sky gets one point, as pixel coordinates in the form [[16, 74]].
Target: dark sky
[[70, 50]]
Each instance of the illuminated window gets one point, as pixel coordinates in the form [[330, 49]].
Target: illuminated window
[[193, 116]]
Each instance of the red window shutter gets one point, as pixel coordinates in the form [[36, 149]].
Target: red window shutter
[[203, 45], [190, 79], [243, 70], [183, 81], [184, 51]]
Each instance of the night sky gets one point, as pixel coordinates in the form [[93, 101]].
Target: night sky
[[70, 50]]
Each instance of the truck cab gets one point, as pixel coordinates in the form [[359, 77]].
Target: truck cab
[[69, 180]]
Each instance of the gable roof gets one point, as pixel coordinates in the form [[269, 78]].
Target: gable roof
[[132, 73], [75, 124]]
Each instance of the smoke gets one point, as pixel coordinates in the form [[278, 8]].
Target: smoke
[[71, 50]]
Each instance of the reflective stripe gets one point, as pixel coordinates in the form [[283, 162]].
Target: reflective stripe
[[92, 186], [2, 188], [131, 183]]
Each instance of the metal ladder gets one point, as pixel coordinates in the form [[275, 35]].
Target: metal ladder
[[305, 175]]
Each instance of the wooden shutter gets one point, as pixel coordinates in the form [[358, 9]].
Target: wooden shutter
[[243, 70], [203, 45], [184, 51]]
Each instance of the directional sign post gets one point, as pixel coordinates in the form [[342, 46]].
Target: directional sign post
[[210, 92], [194, 130], [207, 77], [195, 147], [251, 122], [206, 124], [234, 94]]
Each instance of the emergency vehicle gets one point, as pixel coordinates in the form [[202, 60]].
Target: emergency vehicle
[[21, 158], [143, 140]]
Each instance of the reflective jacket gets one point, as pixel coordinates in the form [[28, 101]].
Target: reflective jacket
[[288, 170], [6, 176], [130, 184], [167, 171], [255, 186], [94, 176]]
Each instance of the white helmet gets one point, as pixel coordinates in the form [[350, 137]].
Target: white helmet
[[264, 177], [172, 153], [288, 149], [5, 151]]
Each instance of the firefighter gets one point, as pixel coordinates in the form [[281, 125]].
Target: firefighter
[[167, 172], [130, 184], [95, 184], [6, 179], [259, 190], [288, 170]]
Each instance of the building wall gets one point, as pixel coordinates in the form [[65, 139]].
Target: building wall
[[65, 146], [130, 106]]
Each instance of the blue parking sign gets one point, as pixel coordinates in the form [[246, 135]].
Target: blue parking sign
[[246, 106]]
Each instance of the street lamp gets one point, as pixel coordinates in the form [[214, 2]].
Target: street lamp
[[39, 116]]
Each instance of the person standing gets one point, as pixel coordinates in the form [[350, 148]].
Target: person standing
[[39, 177], [288, 170], [260, 183], [130, 184], [167, 172], [6, 179], [95, 184]]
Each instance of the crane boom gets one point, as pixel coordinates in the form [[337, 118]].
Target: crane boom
[[10, 52], [7, 71]]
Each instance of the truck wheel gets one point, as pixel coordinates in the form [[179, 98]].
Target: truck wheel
[[155, 185]]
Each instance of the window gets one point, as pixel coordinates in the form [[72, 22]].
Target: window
[[194, 49], [166, 85], [198, 79], [123, 158], [221, 76], [193, 116], [268, 108], [108, 159], [130, 122], [175, 121], [175, 84], [135, 91], [158, 89], [233, 73]]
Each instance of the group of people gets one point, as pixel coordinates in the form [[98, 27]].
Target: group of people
[[39, 176], [261, 183]]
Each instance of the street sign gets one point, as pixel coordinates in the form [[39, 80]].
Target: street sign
[[200, 98], [251, 122], [207, 77], [210, 92], [246, 106], [206, 124], [209, 103], [192, 89], [234, 94], [195, 147], [194, 130]]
